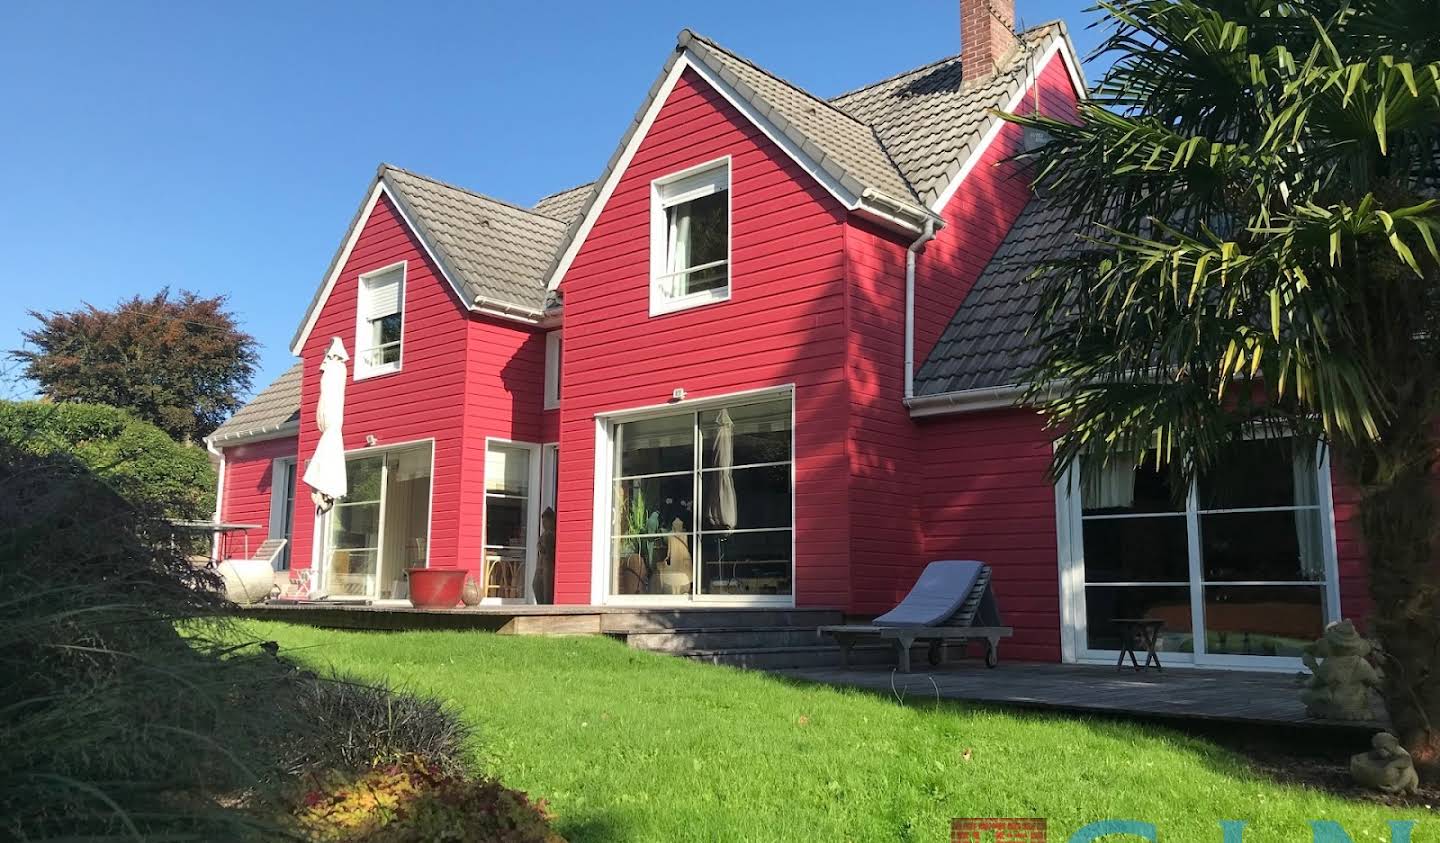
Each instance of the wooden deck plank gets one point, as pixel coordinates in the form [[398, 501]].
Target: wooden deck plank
[[1228, 696]]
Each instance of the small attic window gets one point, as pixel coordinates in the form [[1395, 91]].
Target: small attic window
[[690, 238], [379, 321]]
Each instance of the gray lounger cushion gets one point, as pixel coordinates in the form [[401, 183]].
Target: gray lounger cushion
[[938, 594]]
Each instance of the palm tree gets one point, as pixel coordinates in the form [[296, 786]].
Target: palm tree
[[1252, 187]]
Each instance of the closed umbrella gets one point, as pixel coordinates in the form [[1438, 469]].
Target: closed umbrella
[[720, 505], [326, 471]]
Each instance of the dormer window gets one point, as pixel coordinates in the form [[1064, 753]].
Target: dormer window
[[690, 238], [381, 317]]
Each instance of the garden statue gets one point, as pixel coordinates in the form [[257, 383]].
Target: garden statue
[[1387, 767], [1339, 688]]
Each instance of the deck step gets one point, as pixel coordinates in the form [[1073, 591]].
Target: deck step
[[688, 639], [652, 620], [816, 655]]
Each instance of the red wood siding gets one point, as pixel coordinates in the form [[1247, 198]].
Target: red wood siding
[[987, 497], [979, 215], [1353, 566], [463, 378], [784, 324], [885, 547], [246, 490], [504, 392]]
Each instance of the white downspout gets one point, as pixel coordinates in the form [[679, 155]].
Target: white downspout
[[926, 236], [219, 495]]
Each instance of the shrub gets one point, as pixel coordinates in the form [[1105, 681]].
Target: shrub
[[353, 726], [114, 724], [410, 801], [136, 459]]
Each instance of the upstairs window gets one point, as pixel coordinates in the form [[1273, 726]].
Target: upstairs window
[[381, 317], [690, 238]]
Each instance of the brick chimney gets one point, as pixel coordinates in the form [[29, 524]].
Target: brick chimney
[[987, 33]]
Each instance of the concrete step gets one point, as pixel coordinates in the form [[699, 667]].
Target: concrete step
[[721, 638], [817, 655], [658, 620]]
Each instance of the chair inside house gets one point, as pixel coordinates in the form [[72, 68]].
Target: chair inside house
[[951, 602]]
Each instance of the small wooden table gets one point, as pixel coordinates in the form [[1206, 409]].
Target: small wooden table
[[1139, 632]]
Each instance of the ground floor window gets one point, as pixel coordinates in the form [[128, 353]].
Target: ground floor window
[[510, 519], [701, 502], [1238, 566], [382, 525]]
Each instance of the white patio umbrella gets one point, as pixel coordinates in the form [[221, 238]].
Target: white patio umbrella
[[326, 471], [720, 505]]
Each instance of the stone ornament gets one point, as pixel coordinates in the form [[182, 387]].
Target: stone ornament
[[1387, 767], [470, 592], [1342, 676]]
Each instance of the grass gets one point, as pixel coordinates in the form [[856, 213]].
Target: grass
[[626, 745]]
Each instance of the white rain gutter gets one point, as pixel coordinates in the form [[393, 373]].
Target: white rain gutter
[[219, 495], [505, 310], [926, 235]]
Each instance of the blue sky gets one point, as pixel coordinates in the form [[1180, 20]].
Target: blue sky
[[223, 147]]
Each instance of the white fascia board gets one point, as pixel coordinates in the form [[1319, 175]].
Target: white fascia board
[[380, 189], [662, 94], [1062, 47], [684, 62]]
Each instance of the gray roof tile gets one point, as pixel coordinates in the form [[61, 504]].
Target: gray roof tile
[[989, 342], [498, 251], [275, 408], [840, 143], [567, 204], [930, 122]]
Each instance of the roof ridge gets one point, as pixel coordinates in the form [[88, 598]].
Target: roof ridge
[[713, 44], [566, 190], [891, 78], [1021, 34], [468, 192]]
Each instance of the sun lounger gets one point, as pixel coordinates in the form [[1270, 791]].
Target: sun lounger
[[952, 601]]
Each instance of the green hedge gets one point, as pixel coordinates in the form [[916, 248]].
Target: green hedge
[[135, 458]]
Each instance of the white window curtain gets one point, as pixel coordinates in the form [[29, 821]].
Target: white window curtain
[[1113, 486], [680, 224]]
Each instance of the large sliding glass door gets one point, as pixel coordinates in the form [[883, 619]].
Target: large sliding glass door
[[1238, 566], [381, 527], [700, 504]]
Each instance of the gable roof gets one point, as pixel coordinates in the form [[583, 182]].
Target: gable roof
[[493, 253], [930, 122], [988, 343], [892, 148], [275, 411], [565, 205]]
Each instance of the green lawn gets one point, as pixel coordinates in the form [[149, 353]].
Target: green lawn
[[628, 746]]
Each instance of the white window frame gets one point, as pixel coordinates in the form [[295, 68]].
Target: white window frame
[[665, 195], [554, 348], [278, 495], [1069, 508], [364, 369], [320, 540], [600, 562], [532, 522]]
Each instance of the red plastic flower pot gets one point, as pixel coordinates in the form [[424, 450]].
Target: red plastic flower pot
[[436, 588]]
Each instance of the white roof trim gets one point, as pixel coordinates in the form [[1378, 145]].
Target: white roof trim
[[380, 189], [259, 434], [1066, 51], [682, 63]]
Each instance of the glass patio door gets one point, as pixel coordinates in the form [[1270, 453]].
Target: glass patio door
[[1238, 567], [382, 525], [700, 504]]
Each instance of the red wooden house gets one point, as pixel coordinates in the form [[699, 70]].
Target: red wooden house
[[769, 357]]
